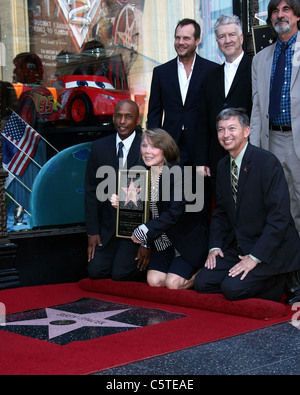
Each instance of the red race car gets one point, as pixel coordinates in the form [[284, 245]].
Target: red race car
[[79, 99]]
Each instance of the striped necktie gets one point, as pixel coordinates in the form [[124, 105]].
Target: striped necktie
[[234, 181]]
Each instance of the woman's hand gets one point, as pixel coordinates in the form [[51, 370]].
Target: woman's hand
[[115, 201], [135, 240]]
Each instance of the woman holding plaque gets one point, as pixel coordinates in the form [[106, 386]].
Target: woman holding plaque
[[178, 238]]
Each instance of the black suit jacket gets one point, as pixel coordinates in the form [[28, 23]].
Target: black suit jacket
[[208, 149], [187, 231], [166, 101], [101, 216], [261, 224]]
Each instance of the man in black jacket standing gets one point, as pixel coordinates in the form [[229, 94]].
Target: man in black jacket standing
[[177, 91], [109, 256], [229, 86]]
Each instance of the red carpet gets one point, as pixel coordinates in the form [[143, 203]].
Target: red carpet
[[252, 308], [22, 355]]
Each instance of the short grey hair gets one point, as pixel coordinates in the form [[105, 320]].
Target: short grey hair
[[240, 113], [228, 20]]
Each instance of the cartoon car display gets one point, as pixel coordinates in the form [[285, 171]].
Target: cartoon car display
[[79, 99]]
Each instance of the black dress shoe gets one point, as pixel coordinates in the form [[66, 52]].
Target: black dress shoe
[[293, 295], [292, 288]]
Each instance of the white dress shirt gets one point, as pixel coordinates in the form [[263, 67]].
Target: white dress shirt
[[230, 72], [184, 80], [127, 145]]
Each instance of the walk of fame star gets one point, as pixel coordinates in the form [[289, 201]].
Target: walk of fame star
[[62, 322], [82, 320], [131, 193]]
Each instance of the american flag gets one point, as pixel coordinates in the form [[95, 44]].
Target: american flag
[[19, 145]]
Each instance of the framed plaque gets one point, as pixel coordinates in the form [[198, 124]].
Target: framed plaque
[[133, 209], [263, 36]]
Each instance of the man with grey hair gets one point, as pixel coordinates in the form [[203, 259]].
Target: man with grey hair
[[275, 121], [227, 86], [253, 240]]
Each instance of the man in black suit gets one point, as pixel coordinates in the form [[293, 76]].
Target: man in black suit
[[109, 256], [253, 239], [227, 86], [177, 91]]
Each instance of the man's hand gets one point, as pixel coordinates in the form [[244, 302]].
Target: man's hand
[[93, 242], [143, 258], [203, 171], [246, 265], [211, 261]]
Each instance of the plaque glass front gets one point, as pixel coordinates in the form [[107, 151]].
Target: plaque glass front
[[133, 209]]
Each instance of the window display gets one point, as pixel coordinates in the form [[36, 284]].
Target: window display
[[64, 66]]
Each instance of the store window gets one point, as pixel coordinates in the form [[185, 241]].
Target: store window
[[263, 35], [210, 11], [262, 13], [63, 66]]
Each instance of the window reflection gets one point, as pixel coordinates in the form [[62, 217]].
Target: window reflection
[[65, 64]]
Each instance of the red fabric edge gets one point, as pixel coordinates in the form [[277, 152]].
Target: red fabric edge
[[251, 308]]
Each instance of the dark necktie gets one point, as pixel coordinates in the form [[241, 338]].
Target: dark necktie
[[234, 181], [275, 94], [120, 151], [120, 155]]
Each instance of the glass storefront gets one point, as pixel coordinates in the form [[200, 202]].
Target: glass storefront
[[262, 14], [64, 63]]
